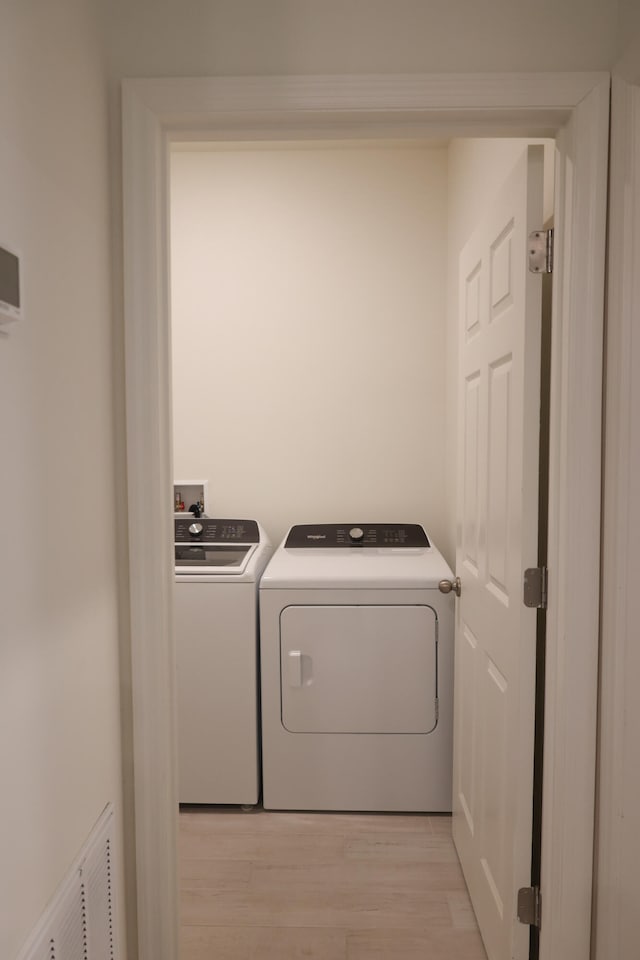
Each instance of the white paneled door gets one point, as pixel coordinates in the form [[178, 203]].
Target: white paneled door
[[499, 404]]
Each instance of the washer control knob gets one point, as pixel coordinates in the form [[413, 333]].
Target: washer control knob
[[356, 533], [196, 529]]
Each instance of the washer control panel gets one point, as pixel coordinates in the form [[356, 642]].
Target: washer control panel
[[206, 530], [357, 535]]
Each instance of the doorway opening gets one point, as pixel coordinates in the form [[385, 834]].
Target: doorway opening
[[314, 324], [573, 107]]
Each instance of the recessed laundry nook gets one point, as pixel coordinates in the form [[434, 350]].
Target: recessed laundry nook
[[329, 299]]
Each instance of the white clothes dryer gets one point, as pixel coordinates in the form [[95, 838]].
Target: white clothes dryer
[[357, 671], [218, 564]]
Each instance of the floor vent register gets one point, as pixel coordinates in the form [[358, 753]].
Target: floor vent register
[[78, 923]]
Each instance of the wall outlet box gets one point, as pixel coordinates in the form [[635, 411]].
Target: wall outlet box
[[10, 305], [191, 491]]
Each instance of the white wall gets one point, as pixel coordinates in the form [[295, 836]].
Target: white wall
[[59, 700], [309, 331], [627, 53], [160, 37]]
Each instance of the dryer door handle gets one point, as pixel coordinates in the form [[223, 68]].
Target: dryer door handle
[[295, 668]]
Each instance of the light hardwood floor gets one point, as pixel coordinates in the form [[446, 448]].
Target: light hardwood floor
[[285, 886]]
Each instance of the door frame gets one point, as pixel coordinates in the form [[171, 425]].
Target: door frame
[[155, 112], [619, 780]]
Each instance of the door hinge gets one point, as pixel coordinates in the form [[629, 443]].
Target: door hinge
[[529, 906], [541, 251], [535, 588]]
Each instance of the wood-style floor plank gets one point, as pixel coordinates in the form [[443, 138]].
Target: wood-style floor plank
[[405, 848], [259, 885], [262, 943], [414, 945], [270, 848], [316, 906], [262, 822]]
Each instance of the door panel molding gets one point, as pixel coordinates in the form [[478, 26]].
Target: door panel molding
[[156, 111]]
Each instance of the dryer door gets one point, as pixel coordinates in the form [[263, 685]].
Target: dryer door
[[359, 669]]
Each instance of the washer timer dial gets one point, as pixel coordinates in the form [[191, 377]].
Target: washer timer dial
[[356, 534]]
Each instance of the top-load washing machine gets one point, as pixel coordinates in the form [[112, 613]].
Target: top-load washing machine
[[356, 645], [218, 564]]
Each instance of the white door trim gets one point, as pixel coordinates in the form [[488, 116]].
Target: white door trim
[[575, 464], [149, 433], [156, 111], [619, 782]]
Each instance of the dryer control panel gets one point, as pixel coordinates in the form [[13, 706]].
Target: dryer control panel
[[357, 535]]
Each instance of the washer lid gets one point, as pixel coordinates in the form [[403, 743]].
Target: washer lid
[[210, 559]]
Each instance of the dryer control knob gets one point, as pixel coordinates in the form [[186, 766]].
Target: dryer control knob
[[196, 529], [356, 533]]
